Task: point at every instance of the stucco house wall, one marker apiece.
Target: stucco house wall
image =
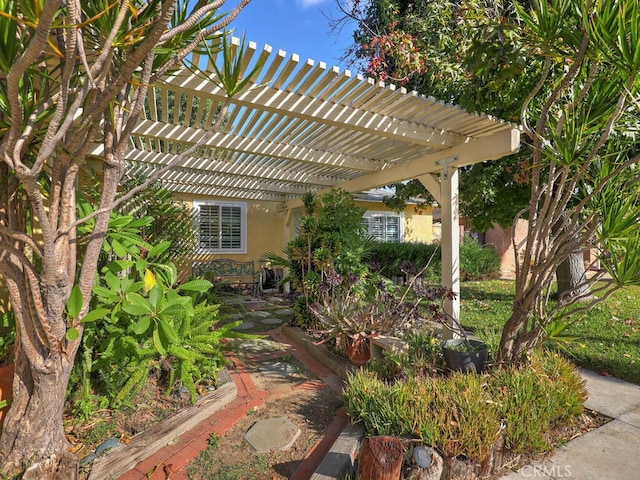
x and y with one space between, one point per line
266 230
417 223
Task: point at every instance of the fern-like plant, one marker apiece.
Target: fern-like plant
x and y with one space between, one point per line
199 353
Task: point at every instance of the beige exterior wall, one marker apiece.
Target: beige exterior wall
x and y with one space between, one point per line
267 232
418 224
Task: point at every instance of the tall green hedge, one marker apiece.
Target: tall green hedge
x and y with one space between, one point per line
476 261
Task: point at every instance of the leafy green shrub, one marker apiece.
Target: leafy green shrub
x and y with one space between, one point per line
198 355
331 239
141 319
422 357
172 218
464 414
388 258
478 262
149 320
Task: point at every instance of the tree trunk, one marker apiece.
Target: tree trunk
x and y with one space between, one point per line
571 276
518 335
26 431
381 459
33 429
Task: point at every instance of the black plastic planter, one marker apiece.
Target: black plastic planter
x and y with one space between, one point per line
457 357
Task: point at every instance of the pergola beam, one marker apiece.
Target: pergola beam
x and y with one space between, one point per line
490 147
207 167
432 184
450 245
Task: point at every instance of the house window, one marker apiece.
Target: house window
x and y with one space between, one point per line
221 227
384 226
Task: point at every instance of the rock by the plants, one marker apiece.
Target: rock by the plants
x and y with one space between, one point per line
272 434
107 445
426 464
459 470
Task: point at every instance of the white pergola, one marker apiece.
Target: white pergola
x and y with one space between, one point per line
301 126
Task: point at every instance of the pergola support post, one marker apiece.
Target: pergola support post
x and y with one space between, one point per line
450 245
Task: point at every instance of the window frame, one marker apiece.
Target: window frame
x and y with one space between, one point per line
387 214
197 204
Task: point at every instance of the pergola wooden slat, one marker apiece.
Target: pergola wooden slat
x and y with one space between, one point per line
301 127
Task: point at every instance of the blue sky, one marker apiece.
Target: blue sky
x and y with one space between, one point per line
295 26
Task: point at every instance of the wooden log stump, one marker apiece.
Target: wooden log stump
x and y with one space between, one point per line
380 459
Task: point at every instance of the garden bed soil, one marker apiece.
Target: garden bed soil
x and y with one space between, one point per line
295 394
231 457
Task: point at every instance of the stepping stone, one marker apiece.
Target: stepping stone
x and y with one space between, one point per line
272 321
278 369
246 325
284 311
272 434
260 314
254 303
261 345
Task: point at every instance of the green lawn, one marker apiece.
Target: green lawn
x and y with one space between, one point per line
608 335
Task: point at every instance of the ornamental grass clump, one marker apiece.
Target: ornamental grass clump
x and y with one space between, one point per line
465 415
534 399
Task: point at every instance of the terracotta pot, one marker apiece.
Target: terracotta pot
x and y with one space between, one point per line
6 384
358 353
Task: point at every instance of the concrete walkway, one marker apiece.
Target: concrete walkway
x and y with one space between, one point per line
610 452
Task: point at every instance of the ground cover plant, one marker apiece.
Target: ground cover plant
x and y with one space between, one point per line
467 415
207 465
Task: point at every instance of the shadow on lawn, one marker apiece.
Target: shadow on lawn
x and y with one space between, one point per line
479 292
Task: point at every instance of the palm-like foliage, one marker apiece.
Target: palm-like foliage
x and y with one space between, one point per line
581 119
75 76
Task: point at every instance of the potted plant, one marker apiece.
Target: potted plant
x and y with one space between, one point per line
345 314
465 355
353 309
462 353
